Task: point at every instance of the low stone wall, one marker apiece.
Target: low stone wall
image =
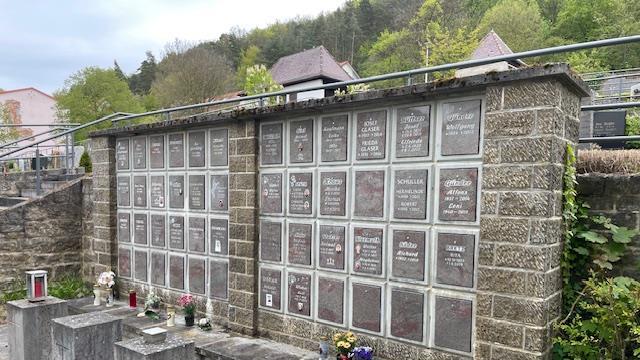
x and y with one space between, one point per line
11 184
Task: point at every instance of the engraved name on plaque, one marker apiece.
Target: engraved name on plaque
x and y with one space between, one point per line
301 141
408 258
369 192
371 135
270 241
271 193
140 191
333 193
270 288
219 192
122 154
157 191
139 153
124 191
300 193
176 191
461 128
176 150
367 314
407 314
140 229
412 131
219 145
300 236
453 323
334 138
299 301
410 194
331 300
367 250
271 144
158 230
197 237
156 151
176 232
332 246
196 192
455 259
458 193
219 235
197 149
124 228
176 272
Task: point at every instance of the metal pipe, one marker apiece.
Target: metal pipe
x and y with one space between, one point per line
623 105
33 125
38 180
610 139
29 137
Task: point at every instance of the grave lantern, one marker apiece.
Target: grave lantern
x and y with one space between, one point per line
36 285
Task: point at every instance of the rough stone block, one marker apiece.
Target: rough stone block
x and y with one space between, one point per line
503 229
174 347
502 280
500 332
85 336
512 123
527 150
506 177
527 204
528 94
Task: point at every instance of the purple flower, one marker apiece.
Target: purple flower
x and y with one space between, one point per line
363 353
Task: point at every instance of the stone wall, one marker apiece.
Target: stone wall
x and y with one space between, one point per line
11 184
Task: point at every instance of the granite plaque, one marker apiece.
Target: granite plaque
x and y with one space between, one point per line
270 241
331 300
299 301
140 265
333 193
367 315
300 193
196 192
219 192
140 229
271 144
610 123
219 234
334 137
453 323
458 193
158 230
197 275
371 135
176 232
219 276
124 191
122 154
124 262
301 141
157 191
369 193
407 314
455 259
332 246
140 191
219 145
176 150
176 191
412 131
158 268
408 259
270 288
410 194
461 128
197 148
176 272
367 250
156 151
300 243
271 194
124 228
139 153
197 236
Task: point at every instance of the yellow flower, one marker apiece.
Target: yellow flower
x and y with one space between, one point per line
349 334
336 337
346 345
351 339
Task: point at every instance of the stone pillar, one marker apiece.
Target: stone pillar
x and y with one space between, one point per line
173 347
85 336
528 125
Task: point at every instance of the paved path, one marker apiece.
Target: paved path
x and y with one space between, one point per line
4 342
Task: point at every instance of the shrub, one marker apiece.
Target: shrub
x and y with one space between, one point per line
608 161
85 161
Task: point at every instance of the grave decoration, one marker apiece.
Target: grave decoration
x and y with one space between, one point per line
188 304
363 353
344 343
36 285
171 316
106 281
204 324
154 335
151 307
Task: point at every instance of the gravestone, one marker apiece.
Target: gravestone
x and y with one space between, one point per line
158 268
407 314
124 191
157 191
331 247
333 193
176 191
300 193
219 277
176 272
300 236
219 145
270 241
369 192
197 148
197 275
140 191
455 259
367 315
174 347
156 151
219 235
122 154
367 250
270 288
334 137
176 232
219 192
461 128
124 228
331 299
458 194
140 153
196 192
371 135
176 150
410 194
158 230
299 293
610 123
124 262
271 193
140 265
271 144
197 236
412 131
409 254
140 229
453 323
301 141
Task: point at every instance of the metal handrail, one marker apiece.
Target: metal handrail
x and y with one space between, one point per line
40 125
29 137
622 105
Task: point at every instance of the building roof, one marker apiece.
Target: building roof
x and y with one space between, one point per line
308 65
492 45
26 89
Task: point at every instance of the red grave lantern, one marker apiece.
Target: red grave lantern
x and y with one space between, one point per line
36 285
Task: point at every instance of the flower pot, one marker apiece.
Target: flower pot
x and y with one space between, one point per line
342 357
189 320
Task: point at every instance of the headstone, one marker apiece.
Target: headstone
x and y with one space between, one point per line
197 236
124 228
219 235
299 302
158 268
197 148
333 193
270 241
410 194
140 153
124 262
176 150
219 192
300 193
219 144
412 131
332 247
219 277
453 323
461 128
367 250
409 253
334 137
157 191
300 236
407 314
122 154
271 193
197 275
367 315
369 192
176 191
176 232
610 123
124 191
270 288
140 191
158 230
331 300
140 229
301 141
196 192
176 272
455 259
271 144
156 151
174 347
371 135
458 194
140 265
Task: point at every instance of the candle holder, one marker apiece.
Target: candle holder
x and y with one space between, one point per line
36 285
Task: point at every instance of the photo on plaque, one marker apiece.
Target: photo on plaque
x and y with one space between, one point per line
371 135
219 145
271 193
176 191
270 241
124 262
334 137
197 275
219 235
455 259
158 230
461 128
176 272
407 314
140 191
367 315
458 194
412 131
176 232
410 194
124 227
140 153
299 294
369 193
453 323
218 278
197 234
140 229
301 141
157 191
122 154
300 243
124 191
197 148
158 268
140 265
156 151
219 192
300 193
197 192
409 254
331 246
271 144
333 193
176 150
331 300
367 250
270 288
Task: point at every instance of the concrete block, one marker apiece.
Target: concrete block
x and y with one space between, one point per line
85 336
174 347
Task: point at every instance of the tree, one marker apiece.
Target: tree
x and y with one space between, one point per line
7 134
85 162
518 22
119 72
393 51
259 81
140 82
250 56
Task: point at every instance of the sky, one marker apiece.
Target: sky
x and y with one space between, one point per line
42 42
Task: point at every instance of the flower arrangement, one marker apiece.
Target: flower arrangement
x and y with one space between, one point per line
344 343
204 324
188 304
107 279
363 353
152 301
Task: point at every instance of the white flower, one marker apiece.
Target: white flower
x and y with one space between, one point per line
203 322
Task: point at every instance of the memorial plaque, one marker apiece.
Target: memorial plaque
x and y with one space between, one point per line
270 241
139 153
270 288
367 314
196 192
156 151
122 154
271 144
124 228
332 246
140 191
219 192
331 300
197 148
158 268
367 250
407 314
301 141
299 301
271 193
410 194
157 191
124 191
610 123
453 323
176 191
408 259
158 230
458 193
197 236
334 137
140 263
176 150
455 259
371 135
369 193
176 272
300 193
461 128
300 243
197 275
140 229
176 232
219 276
412 131
219 140
219 234
124 262
333 193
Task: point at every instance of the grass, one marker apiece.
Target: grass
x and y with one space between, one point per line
608 161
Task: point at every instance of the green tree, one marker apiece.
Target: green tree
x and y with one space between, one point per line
85 162
250 56
518 22
393 51
7 133
119 72
259 81
140 82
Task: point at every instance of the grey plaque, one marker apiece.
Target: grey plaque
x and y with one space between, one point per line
140 229
197 275
176 150
140 263
610 123
219 278
197 148
458 193
407 314
124 262
140 191
219 140
124 191
197 235
301 141
157 191
122 154
270 288
124 228
158 268
219 234
461 128
156 151
332 246
334 138
408 254
331 300
455 259
299 301
367 250
270 241
176 232
300 193
369 192
333 193
158 230
271 144
176 272
140 153
271 193
300 243
453 323
367 315
176 191
196 192
219 192
371 135
410 194
412 131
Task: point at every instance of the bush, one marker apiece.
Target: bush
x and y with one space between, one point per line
85 161
608 161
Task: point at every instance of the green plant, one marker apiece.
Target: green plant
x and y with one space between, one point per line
16 290
85 161
633 128
69 287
